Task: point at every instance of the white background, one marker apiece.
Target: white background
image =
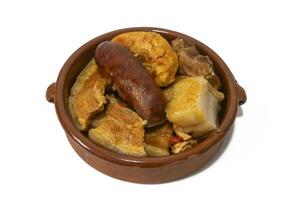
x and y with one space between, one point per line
260 42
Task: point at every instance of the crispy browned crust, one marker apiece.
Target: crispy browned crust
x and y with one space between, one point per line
157 55
87 95
157 142
120 130
193 106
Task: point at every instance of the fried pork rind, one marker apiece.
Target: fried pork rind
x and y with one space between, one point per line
182 146
157 55
193 105
157 142
191 63
87 96
120 130
180 133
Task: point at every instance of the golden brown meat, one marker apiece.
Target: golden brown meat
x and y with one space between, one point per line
87 95
121 130
193 105
157 55
157 142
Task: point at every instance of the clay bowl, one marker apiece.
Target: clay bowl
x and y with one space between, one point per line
143 169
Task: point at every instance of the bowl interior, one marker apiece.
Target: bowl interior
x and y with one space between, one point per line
84 54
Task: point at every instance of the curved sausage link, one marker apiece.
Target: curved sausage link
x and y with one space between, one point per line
134 84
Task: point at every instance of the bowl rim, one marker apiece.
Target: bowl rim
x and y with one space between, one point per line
114 157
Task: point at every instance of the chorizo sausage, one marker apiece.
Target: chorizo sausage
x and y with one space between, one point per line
134 84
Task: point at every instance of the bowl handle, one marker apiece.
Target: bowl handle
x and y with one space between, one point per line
50 93
242 97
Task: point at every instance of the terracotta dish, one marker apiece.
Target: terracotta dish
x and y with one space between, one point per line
143 169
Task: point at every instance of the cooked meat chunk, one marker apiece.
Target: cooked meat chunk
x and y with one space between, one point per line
193 105
191 63
157 55
178 44
157 142
87 95
120 130
194 65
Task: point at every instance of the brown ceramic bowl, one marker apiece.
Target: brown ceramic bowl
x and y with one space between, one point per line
143 169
